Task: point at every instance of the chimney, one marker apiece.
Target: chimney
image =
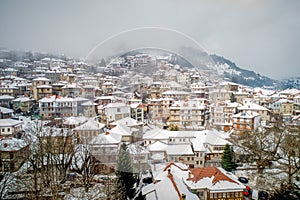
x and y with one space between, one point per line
189 176
169 172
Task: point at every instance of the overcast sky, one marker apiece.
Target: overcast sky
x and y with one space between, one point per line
259 35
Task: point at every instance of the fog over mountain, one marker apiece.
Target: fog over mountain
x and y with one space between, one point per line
262 35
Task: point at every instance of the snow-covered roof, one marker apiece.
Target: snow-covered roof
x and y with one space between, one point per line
252 106
290 91
48 99
246 115
75 120
135 149
41 79
91 124
89 103
179 149
169 187
12 144
213 178
44 86
9 122
159 134
128 121
103 139
6 110
157 146
283 100
6 97
115 105
175 92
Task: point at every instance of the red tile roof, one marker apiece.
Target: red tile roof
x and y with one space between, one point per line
200 173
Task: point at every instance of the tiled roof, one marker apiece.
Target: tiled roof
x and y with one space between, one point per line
200 173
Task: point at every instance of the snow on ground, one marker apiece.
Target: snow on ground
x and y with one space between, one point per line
96 192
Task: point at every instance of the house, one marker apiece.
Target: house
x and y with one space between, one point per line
195 148
221 114
168 185
13 153
114 111
107 88
6 101
283 106
155 90
219 94
73 121
41 87
88 130
187 114
104 100
155 109
246 121
57 106
139 157
6 113
105 149
207 183
88 91
137 111
214 183
9 90
89 109
10 127
71 90
23 104
53 75
126 133
56 141
253 107
175 94
47 107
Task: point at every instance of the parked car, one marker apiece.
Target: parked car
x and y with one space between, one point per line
243 180
262 195
247 191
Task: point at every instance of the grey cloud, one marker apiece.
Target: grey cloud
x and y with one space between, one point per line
259 35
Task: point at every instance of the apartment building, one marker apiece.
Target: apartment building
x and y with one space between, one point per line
41 87
221 114
187 114
246 121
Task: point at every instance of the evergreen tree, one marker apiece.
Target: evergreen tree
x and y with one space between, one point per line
125 177
227 159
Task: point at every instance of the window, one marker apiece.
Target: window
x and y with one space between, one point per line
8 129
12 166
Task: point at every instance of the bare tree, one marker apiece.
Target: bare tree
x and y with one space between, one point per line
290 154
261 145
84 165
6 179
51 155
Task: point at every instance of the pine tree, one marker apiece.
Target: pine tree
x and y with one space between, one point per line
227 159
125 176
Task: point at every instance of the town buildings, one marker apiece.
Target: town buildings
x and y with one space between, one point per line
170 115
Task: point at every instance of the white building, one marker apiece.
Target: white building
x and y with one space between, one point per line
10 127
114 111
